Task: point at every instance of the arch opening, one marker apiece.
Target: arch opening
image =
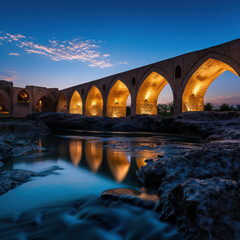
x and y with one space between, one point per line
3 105
117 100
44 104
75 104
62 104
23 97
194 92
148 94
94 103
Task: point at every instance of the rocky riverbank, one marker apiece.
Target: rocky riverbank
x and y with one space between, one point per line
198 189
212 125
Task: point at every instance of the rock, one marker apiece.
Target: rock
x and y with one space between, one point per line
214 125
199 190
137 198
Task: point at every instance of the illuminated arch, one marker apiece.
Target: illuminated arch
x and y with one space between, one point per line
23 96
93 152
94 103
117 99
62 104
148 93
200 80
76 103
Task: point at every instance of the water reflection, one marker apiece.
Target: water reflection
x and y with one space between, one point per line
75 150
140 158
113 157
119 164
94 154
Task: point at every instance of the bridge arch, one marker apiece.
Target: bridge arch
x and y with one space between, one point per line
117 97
200 77
5 105
76 104
149 88
94 102
23 96
44 102
62 103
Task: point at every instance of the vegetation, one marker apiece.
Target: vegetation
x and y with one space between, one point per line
222 108
128 111
208 107
165 109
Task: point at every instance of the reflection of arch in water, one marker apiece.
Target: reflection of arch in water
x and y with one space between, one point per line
117 100
197 84
118 163
93 153
94 103
62 104
140 158
149 90
75 103
75 150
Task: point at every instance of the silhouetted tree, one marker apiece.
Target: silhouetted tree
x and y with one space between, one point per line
238 107
128 110
226 107
208 107
165 109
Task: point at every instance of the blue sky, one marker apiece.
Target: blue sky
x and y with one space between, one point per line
65 43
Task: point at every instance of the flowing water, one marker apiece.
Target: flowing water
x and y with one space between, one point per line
83 165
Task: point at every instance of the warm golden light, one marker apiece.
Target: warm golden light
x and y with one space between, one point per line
94 103
118 164
62 104
93 152
75 104
75 150
23 96
140 161
148 94
117 99
193 95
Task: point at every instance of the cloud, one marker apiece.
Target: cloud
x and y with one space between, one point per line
8 75
76 49
14 54
218 100
123 63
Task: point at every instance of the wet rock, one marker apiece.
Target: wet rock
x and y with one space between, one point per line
10 146
199 190
10 179
137 198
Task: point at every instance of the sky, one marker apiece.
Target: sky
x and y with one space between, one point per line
62 43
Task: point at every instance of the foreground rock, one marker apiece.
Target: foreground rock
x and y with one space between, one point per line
10 179
139 198
200 191
205 124
11 146
23 127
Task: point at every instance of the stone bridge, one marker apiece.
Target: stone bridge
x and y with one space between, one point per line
188 75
